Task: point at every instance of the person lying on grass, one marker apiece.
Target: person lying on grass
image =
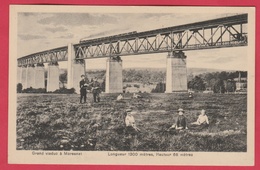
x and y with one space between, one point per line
181 122
130 123
202 119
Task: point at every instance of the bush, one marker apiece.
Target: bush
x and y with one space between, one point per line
136 85
65 91
32 90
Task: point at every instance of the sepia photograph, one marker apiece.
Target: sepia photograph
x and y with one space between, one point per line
169 84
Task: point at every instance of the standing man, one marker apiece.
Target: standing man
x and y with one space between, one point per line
96 90
83 89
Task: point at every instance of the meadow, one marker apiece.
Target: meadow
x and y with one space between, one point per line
59 122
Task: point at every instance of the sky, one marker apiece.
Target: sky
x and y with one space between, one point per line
43 31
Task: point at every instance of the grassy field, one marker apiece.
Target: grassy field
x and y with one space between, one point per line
59 122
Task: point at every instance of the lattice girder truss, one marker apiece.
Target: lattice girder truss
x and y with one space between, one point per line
50 56
219 37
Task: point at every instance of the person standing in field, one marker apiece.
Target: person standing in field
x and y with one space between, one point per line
181 121
96 90
83 89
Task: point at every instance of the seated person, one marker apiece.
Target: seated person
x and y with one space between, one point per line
120 97
180 122
130 123
202 119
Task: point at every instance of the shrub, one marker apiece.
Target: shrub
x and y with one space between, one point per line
32 90
136 85
65 91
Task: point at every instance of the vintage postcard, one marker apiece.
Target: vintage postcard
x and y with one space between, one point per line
131 85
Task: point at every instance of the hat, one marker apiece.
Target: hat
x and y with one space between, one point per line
128 110
180 110
82 75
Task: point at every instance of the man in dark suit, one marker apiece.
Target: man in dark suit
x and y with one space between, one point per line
96 90
83 89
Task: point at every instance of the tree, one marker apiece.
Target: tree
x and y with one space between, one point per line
223 75
63 78
19 88
197 84
160 88
230 86
219 87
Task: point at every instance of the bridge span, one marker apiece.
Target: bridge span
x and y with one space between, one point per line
223 32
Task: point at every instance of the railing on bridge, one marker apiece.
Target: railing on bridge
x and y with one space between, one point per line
216 33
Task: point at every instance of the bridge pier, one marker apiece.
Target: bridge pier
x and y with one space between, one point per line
53 77
176 73
39 76
76 68
114 78
23 76
30 76
19 74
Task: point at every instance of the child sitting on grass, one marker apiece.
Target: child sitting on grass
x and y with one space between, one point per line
181 122
130 123
202 120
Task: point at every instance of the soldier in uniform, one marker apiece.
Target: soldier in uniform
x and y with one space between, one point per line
83 89
96 90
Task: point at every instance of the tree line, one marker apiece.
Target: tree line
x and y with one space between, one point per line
218 82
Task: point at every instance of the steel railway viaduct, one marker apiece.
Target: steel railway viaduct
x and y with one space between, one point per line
217 33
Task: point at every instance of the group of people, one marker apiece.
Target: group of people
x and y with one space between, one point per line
121 97
180 122
94 86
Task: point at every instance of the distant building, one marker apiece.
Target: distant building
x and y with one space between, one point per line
241 83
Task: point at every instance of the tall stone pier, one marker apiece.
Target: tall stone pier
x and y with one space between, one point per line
30 76
53 77
23 76
176 73
76 68
39 76
114 78
19 74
